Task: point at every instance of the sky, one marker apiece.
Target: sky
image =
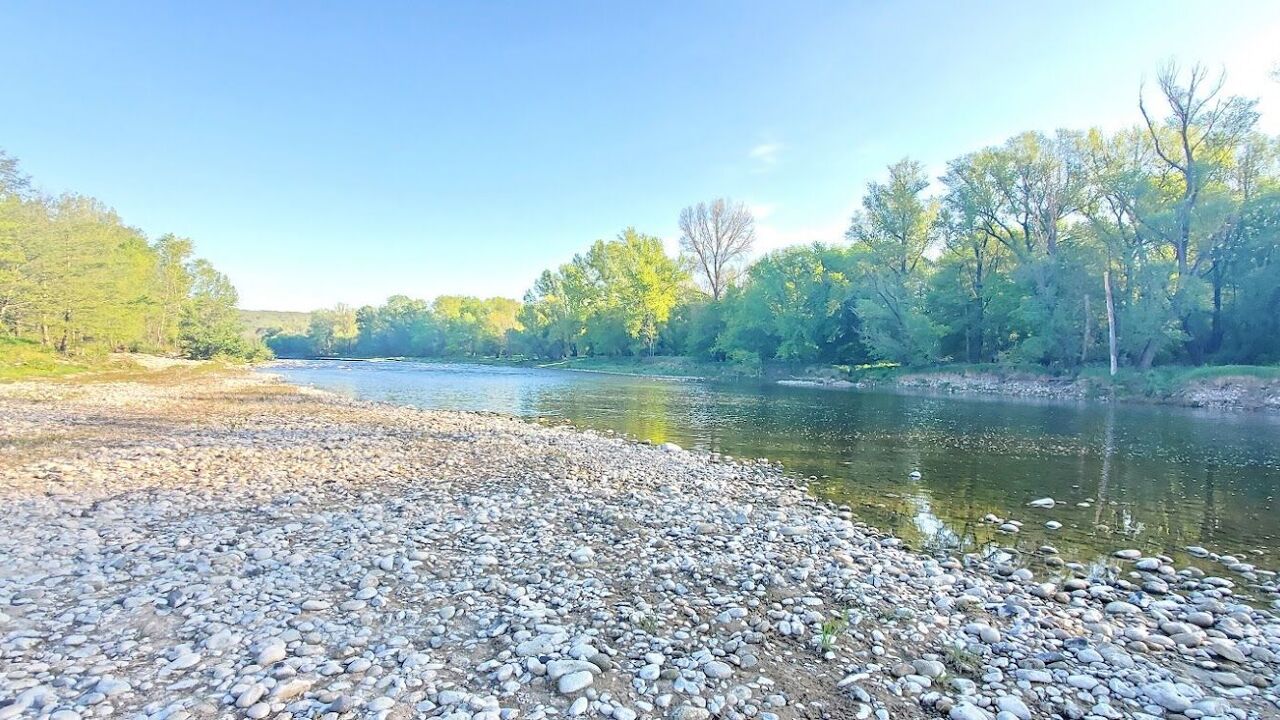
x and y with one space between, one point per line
324 152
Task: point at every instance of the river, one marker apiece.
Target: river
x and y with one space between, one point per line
1153 478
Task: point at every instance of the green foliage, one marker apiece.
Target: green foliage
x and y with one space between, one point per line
745 363
75 279
210 325
831 630
616 299
796 305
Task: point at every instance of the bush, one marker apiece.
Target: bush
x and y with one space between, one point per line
745 363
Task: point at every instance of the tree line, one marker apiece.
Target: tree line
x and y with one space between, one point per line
76 279
1164 236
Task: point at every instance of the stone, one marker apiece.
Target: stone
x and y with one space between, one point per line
717 670
111 687
574 681
1166 695
251 695
270 654
690 712
968 711
1013 705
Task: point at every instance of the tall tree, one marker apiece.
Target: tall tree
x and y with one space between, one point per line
896 227
717 236
172 285
1195 142
210 324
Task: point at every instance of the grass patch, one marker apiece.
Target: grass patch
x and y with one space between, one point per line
1166 382
26 360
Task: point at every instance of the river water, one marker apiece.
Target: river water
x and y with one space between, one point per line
1153 478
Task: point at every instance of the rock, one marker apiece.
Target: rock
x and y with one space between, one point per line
111 687
717 670
929 668
582 555
1203 619
1013 705
1045 503
1129 554
574 681
291 689
270 654
1226 649
1166 695
968 711
251 695
690 712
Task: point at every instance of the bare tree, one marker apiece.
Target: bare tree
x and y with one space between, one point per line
1201 124
717 235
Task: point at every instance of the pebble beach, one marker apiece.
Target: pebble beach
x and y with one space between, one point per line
225 545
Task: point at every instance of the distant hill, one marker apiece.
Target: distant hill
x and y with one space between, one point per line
258 321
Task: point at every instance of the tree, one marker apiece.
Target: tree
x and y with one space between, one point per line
797 305
75 278
717 236
896 227
210 325
1194 142
172 285
333 331
615 299
1022 195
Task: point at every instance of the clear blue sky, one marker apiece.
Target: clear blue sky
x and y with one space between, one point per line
320 152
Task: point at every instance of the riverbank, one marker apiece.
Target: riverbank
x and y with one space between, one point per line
227 545
1233 387
1228 387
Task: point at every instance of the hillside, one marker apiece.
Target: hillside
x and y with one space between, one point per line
258 321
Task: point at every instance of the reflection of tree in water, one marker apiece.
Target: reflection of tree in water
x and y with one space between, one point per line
1108 449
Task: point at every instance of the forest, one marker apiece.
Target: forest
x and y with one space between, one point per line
76 280
1161 239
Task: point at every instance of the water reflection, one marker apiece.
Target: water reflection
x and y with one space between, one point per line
1154 478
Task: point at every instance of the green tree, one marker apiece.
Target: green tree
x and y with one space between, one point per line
210 325
897 227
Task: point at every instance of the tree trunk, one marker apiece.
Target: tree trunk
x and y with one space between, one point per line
1111 320
1215 332
1084 344
1148 356
979 282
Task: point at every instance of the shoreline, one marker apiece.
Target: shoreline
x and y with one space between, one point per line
227 544
1225 392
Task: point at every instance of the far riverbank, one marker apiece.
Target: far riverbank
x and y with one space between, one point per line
1226 387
